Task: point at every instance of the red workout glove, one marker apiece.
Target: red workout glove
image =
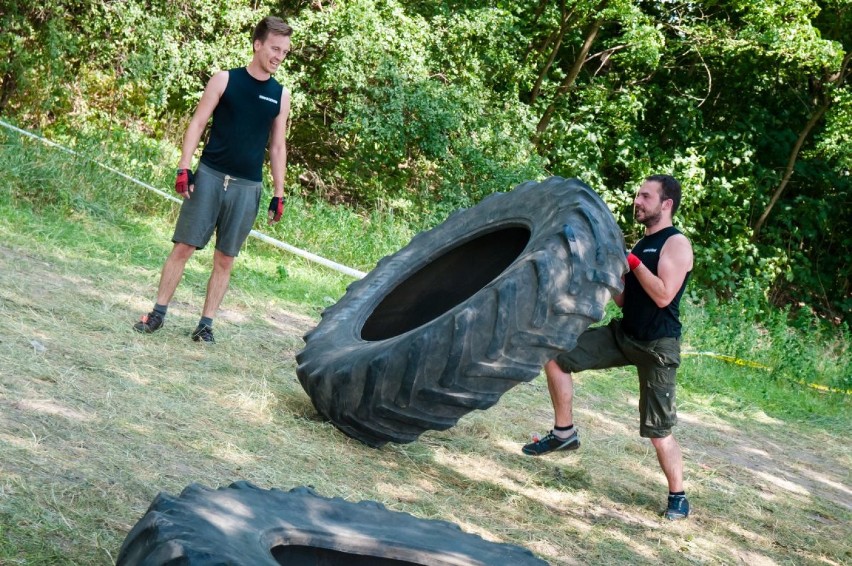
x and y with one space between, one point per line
184 180
276 209
632 261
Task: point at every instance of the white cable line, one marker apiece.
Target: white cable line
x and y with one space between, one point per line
259 235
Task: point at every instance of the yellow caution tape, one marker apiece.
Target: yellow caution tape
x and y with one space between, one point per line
824 387
747 363
731 359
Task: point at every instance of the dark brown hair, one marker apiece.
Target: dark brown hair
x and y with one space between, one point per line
670 189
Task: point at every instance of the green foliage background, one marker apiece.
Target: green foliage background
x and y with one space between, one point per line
412 109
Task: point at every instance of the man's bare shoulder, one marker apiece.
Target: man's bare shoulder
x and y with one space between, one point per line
680 239
679 248
218 82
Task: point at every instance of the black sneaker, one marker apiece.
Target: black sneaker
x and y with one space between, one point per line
551 443
678 508
203 333
149 323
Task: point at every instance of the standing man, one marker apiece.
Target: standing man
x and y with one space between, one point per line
249 109
647 336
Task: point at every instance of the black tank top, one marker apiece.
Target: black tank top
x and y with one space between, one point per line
241 124
643 319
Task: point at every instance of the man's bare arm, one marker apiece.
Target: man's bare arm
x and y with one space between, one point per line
278 146
209 100
675 262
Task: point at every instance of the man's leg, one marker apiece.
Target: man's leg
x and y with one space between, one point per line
173 272
596 348
169 278
657 364
671 461
560 384
218 283
563 436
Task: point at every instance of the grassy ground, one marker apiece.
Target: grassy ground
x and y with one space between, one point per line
95 420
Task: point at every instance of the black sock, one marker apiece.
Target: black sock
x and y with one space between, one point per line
562 431
161 309
678 494
206 321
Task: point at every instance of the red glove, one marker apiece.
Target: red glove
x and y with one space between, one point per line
632 261
276 209
184 180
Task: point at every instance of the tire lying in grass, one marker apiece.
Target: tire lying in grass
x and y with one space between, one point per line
243 524
464 312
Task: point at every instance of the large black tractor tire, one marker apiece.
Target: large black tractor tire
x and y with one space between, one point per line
245 525
464 312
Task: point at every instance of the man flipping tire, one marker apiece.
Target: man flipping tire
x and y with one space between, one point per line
647 336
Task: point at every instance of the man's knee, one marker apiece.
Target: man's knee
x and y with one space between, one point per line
222 261
662 438
563 363
556 375
182 252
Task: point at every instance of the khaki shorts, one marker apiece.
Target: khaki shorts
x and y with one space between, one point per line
657 362
222 203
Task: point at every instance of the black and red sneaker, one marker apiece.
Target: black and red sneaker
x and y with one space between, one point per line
149 323
551 443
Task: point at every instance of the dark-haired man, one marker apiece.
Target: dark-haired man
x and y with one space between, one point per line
250 109
647 336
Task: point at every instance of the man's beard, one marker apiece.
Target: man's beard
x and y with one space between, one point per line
650 219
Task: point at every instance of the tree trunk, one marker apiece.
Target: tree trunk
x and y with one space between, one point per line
6 90
560 35
820 111
8 85
591 34
531 47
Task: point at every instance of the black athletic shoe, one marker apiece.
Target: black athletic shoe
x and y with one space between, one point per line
678 508
149 323
551 443
203 333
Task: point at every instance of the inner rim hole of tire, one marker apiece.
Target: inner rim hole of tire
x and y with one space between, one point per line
297 555
446 282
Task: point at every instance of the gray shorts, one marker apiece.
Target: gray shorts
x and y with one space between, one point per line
657 362
222 203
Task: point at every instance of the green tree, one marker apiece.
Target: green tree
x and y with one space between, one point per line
404 123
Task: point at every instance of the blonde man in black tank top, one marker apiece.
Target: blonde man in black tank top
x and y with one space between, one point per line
249 109
648 336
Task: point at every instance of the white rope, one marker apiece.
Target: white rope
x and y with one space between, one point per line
259 235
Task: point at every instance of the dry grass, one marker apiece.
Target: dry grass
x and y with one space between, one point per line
95 420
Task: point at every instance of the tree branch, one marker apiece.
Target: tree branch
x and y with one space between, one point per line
570 78
563 29
835 80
